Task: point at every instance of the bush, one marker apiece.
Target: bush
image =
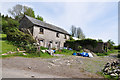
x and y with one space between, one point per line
119 55
28 39
100 40
83 42
119 47
80 47
17 36
111 44
43 48
8 24
22 40
71 38
31 48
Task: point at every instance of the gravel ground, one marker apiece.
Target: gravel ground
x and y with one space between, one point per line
62 67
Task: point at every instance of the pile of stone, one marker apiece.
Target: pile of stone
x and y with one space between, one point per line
112 69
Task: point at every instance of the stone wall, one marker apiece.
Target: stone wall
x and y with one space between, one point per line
27 26
98 48
25 23
48 36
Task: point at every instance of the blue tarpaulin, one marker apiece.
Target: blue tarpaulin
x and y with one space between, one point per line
84 54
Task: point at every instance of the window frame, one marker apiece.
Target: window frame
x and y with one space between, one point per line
57 35
41 31
65 36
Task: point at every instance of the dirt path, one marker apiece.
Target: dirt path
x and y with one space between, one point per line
16 73
62 67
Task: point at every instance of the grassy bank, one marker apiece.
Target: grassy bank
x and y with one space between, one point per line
32 55
5 45
107 53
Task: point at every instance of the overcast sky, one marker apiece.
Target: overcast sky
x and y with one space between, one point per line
98 20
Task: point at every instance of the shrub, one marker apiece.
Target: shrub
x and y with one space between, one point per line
100 40
43 48
17 36
8 24
119 55
80 47
28 39
71 38
83 42
30 48
21 40
111 43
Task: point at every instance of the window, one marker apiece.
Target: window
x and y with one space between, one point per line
41 30
57 34
65 36
56 42
50 41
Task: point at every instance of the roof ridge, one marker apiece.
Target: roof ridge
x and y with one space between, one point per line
47 25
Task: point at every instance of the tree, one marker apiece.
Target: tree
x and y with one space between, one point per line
119 47
39 18
8 23
18 11
111 44
100 40
29 11
71 38
79 33
73 31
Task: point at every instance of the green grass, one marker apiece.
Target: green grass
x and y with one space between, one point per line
107 76
5 45
110 77
32 55
3 35
107 53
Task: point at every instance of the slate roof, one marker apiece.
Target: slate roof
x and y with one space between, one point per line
46 25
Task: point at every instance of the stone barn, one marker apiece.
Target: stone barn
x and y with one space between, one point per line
45 34
100 47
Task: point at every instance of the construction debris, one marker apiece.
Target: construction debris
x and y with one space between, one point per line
10 52
24 54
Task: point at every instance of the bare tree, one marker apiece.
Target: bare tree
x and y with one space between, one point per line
16 11
79 33
73 31
19 10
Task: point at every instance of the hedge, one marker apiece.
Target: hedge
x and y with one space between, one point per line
83 42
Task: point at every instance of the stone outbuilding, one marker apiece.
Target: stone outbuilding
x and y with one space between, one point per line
100 47
46 34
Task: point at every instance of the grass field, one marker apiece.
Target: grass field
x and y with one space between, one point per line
5 45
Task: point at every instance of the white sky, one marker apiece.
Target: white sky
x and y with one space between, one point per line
98 20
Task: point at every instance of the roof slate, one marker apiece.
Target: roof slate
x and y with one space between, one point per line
46 25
